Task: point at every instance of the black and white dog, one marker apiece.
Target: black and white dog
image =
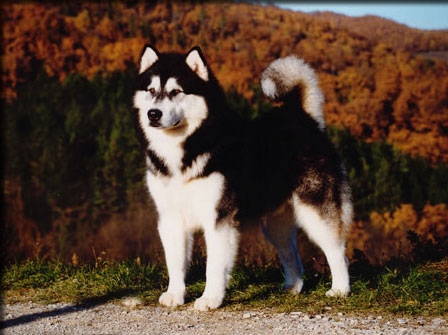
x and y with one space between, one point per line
209 169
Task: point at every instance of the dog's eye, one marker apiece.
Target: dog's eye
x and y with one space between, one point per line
151 90
175 92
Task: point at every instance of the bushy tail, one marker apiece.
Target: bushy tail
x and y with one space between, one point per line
285 74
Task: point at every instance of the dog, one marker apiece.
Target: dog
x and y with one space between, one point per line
210 169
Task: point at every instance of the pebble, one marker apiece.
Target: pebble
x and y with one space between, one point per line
132 302
247 315
438 321
402 321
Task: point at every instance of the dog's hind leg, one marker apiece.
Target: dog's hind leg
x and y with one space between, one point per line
177 243
329 236
222 247
280 230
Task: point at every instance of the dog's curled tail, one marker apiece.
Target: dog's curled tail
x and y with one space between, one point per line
283 75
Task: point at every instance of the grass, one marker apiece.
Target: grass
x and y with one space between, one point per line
396 290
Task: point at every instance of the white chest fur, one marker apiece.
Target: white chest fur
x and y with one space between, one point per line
190 203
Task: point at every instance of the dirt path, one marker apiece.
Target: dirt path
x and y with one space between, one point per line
114 319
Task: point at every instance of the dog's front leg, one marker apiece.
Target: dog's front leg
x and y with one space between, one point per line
177 242
222 247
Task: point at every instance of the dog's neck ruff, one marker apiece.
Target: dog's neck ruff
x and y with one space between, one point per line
171 163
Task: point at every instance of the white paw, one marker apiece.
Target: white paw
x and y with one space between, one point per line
207 303
171 300
295 288
338 292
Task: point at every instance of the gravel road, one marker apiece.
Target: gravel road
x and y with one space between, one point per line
130 317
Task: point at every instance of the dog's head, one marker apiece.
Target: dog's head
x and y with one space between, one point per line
170 89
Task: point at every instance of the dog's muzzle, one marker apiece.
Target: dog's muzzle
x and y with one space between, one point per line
154 117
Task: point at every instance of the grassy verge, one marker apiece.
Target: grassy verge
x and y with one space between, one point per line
404 290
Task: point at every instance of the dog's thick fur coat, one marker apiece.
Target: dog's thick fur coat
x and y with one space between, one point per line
211 170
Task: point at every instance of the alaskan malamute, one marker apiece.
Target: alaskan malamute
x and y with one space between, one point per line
210 169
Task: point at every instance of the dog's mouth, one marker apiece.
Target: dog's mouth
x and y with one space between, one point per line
175 126
178 125
155 124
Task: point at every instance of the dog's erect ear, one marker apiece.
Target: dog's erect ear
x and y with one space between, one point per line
150 56
195 60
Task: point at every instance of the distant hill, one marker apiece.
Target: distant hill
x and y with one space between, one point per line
382 80
395 35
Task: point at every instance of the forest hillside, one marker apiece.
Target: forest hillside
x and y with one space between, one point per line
374 78
73 172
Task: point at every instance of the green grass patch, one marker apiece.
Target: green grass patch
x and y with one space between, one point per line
50 282
401 290
422 290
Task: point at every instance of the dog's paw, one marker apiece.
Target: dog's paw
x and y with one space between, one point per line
207 303
338 292
295 288
171 300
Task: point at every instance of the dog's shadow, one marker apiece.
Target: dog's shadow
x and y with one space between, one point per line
72 308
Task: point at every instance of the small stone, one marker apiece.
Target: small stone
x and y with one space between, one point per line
246 316
132 302
437 321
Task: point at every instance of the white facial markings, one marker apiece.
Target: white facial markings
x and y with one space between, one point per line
154 87
182 114
169 101
173 89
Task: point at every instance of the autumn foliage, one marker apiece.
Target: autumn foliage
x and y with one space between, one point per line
65 74
377 90
387 235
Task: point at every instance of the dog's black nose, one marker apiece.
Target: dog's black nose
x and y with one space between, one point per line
154 115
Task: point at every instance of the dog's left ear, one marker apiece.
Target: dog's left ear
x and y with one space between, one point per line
196 61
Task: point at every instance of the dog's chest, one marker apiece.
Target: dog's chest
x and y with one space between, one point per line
191 201
170 152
